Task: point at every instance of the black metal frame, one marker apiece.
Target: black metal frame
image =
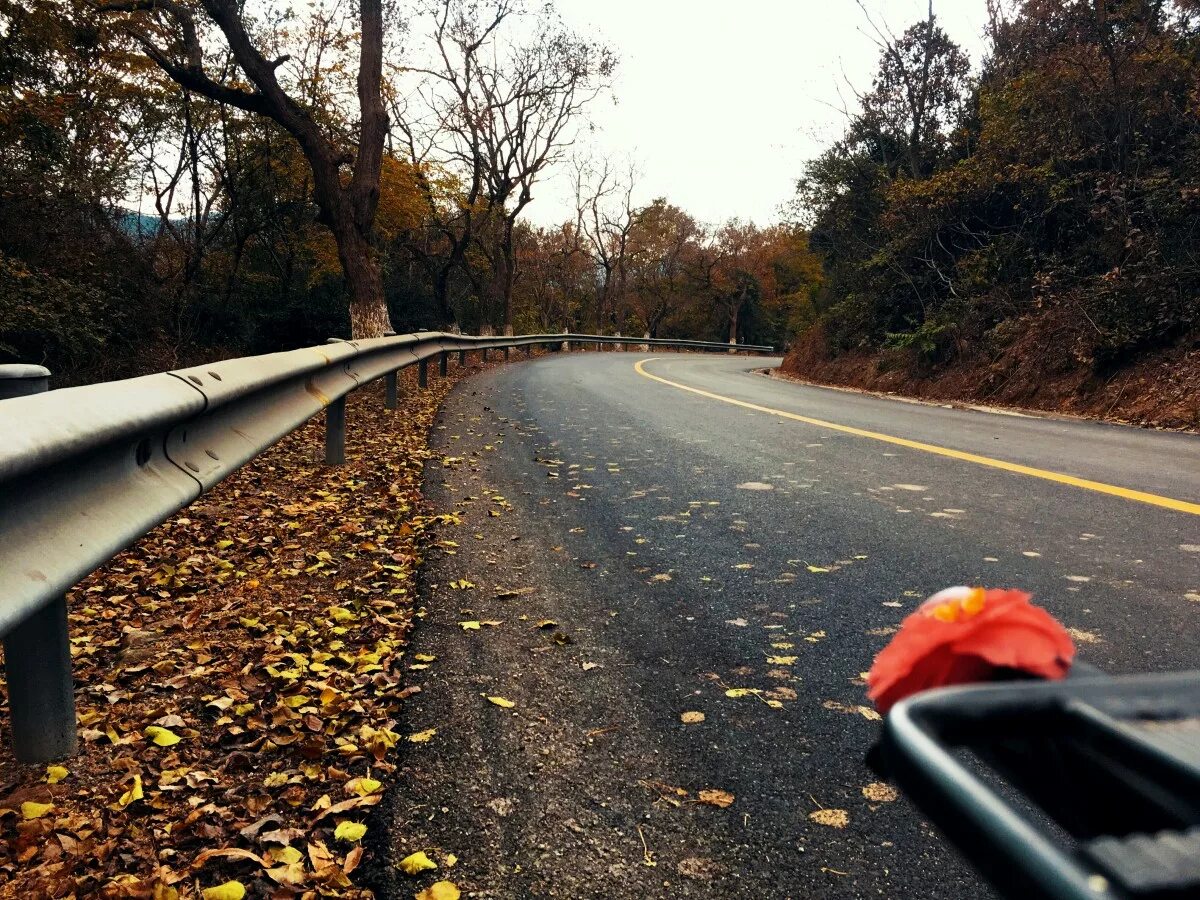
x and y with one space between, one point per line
1115 781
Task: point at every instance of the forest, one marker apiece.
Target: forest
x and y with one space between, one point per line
182 181
1025 226
189 179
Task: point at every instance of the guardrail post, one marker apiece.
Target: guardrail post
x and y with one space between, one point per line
528 350
41 695
618 346
391 398
462 358
423 373
483 354
566 345
335 432
506 354
443 364
37 651
646 347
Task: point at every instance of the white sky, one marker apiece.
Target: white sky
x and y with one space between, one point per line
720 102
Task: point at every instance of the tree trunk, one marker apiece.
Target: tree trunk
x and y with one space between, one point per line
368 308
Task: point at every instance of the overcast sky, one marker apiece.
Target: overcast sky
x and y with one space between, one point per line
720 102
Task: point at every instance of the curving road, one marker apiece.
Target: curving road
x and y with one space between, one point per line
690 527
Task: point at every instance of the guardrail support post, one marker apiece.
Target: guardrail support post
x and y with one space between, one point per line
391 398
37 651
41 695
506 354
528 350
462 358
423 373
335 432
483 354
443 364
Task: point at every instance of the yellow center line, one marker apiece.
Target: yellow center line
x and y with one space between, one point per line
1097 486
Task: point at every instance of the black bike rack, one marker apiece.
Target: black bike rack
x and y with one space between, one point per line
1083 789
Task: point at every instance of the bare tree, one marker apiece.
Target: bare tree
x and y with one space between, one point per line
499 114
605 216
169 32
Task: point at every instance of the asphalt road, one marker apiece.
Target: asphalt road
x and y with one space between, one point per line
680 543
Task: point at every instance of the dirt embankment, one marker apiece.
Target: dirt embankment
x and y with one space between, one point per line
1035 372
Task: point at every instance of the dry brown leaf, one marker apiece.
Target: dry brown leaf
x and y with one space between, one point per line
714 797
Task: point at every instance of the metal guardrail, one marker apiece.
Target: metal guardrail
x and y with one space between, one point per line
87 471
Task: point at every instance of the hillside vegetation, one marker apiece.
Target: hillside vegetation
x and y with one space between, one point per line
1029 234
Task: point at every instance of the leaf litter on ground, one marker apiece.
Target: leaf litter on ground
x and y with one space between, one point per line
240 681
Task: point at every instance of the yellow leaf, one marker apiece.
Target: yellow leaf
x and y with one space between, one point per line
425 657
716 798
31 810
350 831
288 855
741 692
163 737
691 717
439 890
224 545
878 792
416 863
817 568
500 701
781 660
134 793
55 774
363 786
422 737
451 859
469 626
230 890
275 779
834 818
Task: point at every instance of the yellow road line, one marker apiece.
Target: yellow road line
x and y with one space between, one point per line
1097 486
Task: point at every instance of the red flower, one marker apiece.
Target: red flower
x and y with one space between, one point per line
965 634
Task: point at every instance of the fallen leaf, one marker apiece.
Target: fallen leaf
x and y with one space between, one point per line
878 792
230 890
469 626
833 818
439 890
500 701
363 786
782 660
32 810
348 831
416 863
226 853
715 797
422 737
162 737
691 717
55 774
134 793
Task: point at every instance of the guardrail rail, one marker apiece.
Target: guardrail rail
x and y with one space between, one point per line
87 471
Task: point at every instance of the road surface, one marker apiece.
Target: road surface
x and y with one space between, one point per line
650 534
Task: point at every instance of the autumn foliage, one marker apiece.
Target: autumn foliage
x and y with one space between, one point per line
1037 218
242 674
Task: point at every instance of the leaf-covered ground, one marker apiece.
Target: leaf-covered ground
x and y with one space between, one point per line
241 678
